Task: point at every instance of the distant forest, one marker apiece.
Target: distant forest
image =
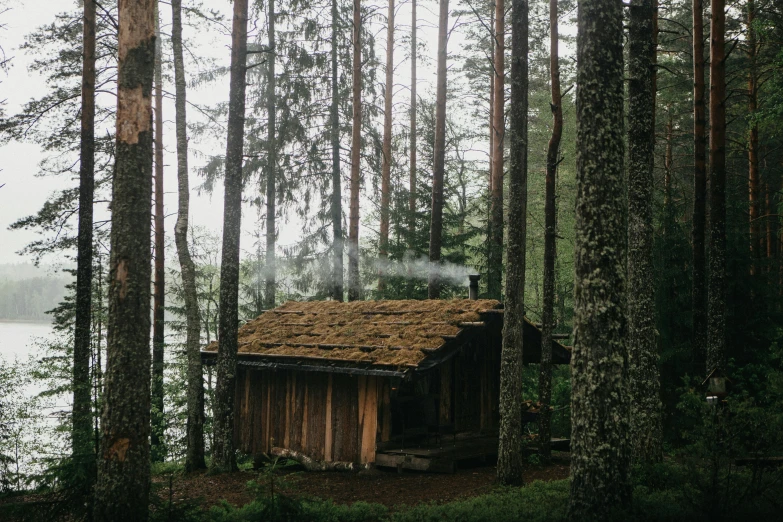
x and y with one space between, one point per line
25 296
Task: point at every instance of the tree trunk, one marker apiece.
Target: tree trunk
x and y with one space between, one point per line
716 292
383 250
82 435
122 491
646 429
600 445
414 103
698 233
550 251
223 454
271 270
194 452
337 201
354 281
439 154
158 307
510 456
495 250
753 145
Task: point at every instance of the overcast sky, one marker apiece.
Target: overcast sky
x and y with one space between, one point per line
25 192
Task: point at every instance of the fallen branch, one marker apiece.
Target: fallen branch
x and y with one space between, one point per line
311 464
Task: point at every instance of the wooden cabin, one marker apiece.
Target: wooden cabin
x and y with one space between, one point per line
373 382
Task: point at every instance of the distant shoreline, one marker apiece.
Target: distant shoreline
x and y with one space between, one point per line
27 321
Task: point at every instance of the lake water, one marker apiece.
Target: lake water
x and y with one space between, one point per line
19 343
18 339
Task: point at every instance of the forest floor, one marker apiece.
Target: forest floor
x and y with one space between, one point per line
381 486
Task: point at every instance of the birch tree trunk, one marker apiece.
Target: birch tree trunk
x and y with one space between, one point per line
383 250
82 436
271 175
550 230
439 154
600 445
698 230
646 429
716 291
223 452
354 281
194 452
122 490
495 249
337 201
510 456
158 307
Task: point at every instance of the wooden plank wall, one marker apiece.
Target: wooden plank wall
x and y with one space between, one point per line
331 417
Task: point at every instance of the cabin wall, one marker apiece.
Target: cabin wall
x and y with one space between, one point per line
331 417
474 378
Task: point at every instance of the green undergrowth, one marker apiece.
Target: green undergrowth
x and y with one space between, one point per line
664 492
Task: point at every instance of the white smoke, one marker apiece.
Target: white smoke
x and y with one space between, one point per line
411 267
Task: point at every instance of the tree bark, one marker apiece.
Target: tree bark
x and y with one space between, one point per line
383 250
354 281
194 452
82 449
698 230
550 251
754 199
510 456
223 452
439 154
646 429
271 176
158 307
600 445
495 229
122 490
716 292
414 104
337 201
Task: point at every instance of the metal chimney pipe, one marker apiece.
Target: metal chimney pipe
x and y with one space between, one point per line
473 287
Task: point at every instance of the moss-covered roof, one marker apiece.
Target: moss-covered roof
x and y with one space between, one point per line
390 333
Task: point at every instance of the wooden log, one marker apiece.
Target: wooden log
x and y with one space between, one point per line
476 324
368 417
292 312
311 464
328 449
561 336
446 376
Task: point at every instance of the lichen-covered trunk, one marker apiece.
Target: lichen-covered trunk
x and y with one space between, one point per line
194 435
439 154
271 174
337 195
158 306
414 104
698 230
223 451
122 490
600 442
82 430
754 199
716 290
495 228
383 247
510 448
646 429
550 231
354 281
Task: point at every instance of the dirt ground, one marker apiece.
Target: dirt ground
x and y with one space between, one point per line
378 485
